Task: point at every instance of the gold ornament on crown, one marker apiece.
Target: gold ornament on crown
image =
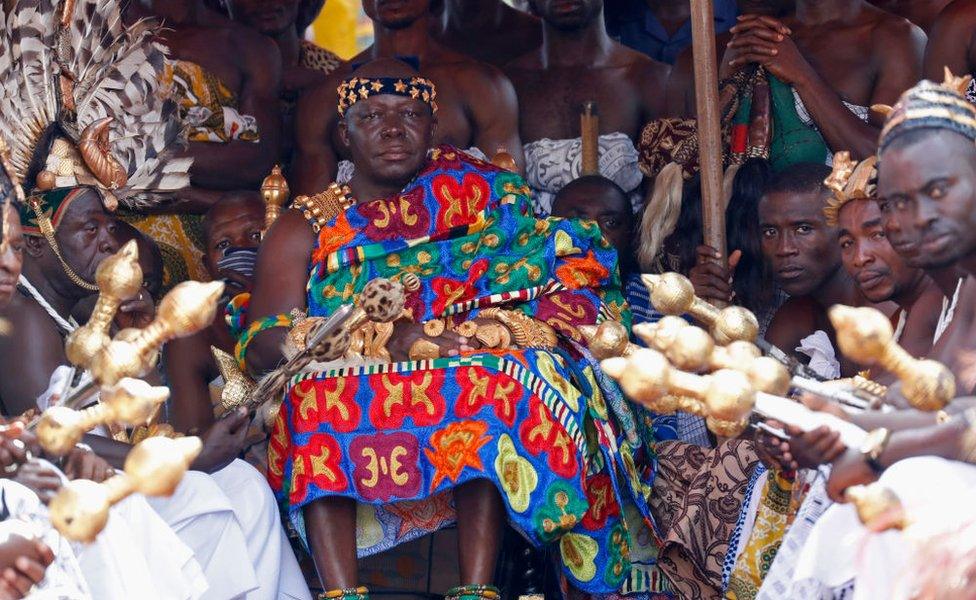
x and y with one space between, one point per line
849 180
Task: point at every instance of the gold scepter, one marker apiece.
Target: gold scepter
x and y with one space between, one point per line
154 467
690 348
725 398
865 335
275 193
119 277
130 402
674 294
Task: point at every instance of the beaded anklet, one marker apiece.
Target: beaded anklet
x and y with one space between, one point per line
473 592
359 593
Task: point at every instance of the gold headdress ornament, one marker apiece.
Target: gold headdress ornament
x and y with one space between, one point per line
82 106
930 105
850 180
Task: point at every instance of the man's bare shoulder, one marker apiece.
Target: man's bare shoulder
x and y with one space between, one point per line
477 80
891 30
958 12
794 320
31 324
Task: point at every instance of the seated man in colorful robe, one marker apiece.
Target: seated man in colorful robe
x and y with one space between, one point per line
473 394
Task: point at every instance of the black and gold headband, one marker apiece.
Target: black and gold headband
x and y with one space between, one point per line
354 89
931 105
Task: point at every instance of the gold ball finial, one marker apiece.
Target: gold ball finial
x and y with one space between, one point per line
119 277
645 383
735 323
275 193
865 335
691 349
606 340
877 507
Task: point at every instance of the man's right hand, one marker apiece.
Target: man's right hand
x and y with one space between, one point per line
223 441
16 446
405 333
712 281
22 565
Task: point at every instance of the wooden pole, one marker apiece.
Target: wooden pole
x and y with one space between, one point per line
709 124
589 140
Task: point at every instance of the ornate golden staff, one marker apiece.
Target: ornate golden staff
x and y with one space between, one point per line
674 294
154 467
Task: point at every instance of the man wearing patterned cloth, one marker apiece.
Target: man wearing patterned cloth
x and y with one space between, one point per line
481 390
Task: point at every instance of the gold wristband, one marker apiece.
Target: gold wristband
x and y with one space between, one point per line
434 327
493 335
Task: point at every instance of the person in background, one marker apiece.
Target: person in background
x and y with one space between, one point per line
489 31
303 63
923 13
477 106
577 63
661 29
951 44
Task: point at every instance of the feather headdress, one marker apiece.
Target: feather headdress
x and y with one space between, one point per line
81 104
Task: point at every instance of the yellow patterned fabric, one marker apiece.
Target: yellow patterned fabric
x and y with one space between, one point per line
180 239
208 107
773 516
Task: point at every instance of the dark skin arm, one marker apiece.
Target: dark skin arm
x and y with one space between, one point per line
189 368
951 41
240 164
279 285
33 351
898 50
791 323
496 122
315 162
940 440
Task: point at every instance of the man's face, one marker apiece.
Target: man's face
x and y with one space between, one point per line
388 137
396 14
232 226
872 263
568 15
86 234
927 196
12 258
599 204
270 17
797 242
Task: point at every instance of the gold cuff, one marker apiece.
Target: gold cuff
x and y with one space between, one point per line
527 332
467 329
424 349
494 335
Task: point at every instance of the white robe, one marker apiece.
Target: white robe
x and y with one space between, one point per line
939 497
230 521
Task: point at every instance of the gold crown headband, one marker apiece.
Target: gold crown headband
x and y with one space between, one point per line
354 89
850 180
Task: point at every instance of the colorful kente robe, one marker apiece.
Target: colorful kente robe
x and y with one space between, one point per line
399 437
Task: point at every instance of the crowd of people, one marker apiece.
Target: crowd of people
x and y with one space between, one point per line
452 162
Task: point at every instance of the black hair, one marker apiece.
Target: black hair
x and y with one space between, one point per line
599 181
751 282
799 178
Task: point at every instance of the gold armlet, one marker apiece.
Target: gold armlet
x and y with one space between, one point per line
324 206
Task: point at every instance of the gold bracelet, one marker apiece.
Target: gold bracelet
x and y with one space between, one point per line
467 329
968 443
527 332
493 335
